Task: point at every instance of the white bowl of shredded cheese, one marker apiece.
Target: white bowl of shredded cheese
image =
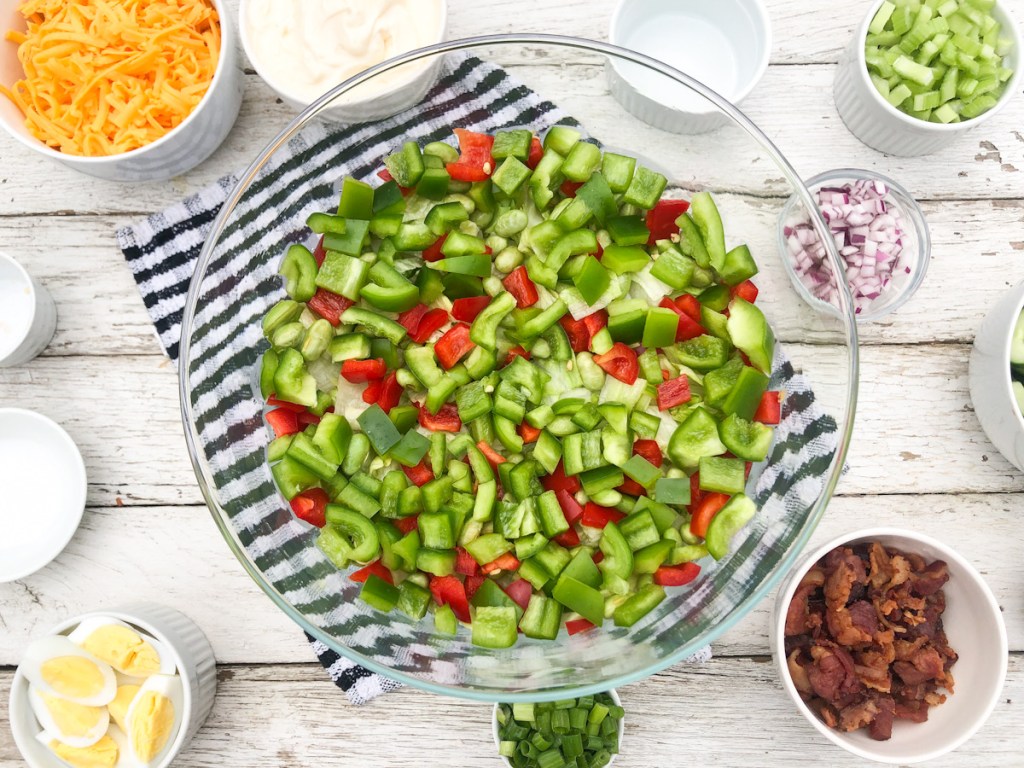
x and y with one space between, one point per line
155 87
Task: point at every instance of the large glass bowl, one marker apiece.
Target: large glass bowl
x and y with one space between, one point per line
236 282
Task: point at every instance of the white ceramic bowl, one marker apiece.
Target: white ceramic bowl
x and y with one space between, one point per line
974 627
409 85
28 316
989 376
880 125
192 655
613 694
724 44
35 453
175 152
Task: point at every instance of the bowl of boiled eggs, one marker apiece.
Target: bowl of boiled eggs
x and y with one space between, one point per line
126 688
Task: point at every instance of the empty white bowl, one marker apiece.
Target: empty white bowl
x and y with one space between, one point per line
36 454
28 316
175 152
723 44
990 383
975 630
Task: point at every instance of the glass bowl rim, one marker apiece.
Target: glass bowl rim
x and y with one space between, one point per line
206 481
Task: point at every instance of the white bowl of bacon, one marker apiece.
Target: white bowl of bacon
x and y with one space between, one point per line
892 638
147 91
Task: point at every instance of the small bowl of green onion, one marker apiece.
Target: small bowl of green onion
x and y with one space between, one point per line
556 733
920 73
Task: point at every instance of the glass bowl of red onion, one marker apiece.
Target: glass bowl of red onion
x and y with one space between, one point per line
880 233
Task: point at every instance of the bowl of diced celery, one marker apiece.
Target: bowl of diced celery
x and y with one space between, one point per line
919 73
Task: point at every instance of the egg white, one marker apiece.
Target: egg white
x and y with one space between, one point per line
125 756
54 646
47 721
91 624
166 685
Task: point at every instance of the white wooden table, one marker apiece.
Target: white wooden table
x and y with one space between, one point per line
919 456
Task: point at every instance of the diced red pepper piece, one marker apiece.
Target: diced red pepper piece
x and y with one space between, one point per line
493 457
619 361
448 590
536 153
673 392
390 392
568 188
704 511
420 475
696 494
320 253
453 346
445 420
507 562
576 330
575 626
372 392
407 524
514 353
520 591
676 575
689 328
690 306
568 539
475 162
361 371
473 583
433 252
519 284
649 450
661 219
283 421
468 308
597 557
528 433
376 568
433 321
305 418
295 407
595 322
559 481
411 318
329 306
311 506
465 563
745 290
571 508
385 175
631 487
769 411
596 516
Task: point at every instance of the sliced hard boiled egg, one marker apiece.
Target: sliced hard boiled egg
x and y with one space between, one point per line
118 708
56 666
125 649
125 758
154 717
103 754
75 725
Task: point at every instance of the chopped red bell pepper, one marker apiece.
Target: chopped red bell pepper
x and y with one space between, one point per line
688 328
568 188
649 450
619 361
528 433
597 557
407 524
390 392
676 575
465 563
492 455
519 284
433 252
567 539
448 590
594 322
516 352
274 401
320 253
559 481
673 392
468 308
475 162
420 475
411 318
576 330
361 371
433 321
329 306
704 511
595 516
696 494
453 346
372 392
631 487
473 583
745 290
376 568
690 306
571 508
520 591
305 418
385 175
311 506
283 421
507 562
536 153
575 626
769 411
445 420
661 219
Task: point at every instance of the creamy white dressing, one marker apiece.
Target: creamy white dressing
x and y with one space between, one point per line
16 307
306 47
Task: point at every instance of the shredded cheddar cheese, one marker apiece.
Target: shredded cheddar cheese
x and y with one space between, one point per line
104 77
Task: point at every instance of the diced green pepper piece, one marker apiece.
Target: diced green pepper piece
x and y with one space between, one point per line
561 138
292 477
514 143
435 561
745 395
593 280
646 599
578 597
413 600
628 327
645 188
321 223
748 440
332 437
352 536
618 170
410 450
621 259
378 324
691 243
444 217
380 430
350 242
709 223
495 627
727 522
672 490
722 475
618 555
642 471
695 438
597 195
387 199
751 334
433 183
542 620
378 594
511 175
356 201
581 161
703 353
406 165
674 269
343 274
660 328
444 620
298 267
292 381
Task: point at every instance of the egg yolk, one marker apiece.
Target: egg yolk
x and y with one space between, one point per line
124 649
119 706
72 719
72 676
102 754
151 725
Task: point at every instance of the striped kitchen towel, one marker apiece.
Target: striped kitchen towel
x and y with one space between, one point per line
162 251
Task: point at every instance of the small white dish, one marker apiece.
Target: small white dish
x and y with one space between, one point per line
36 453
974 627
193 658
989 376
28 316
880 125
723 44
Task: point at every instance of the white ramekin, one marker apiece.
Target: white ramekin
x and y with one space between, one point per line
989 376
177 151
880 125
193 657
27 332
648 95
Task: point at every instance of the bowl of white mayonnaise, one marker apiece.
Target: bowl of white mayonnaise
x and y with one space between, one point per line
304 48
